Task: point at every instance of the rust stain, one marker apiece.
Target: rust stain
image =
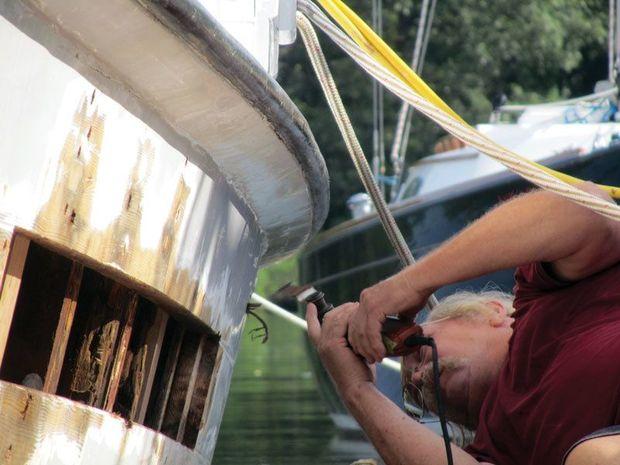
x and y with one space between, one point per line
73 179
8 453
24 411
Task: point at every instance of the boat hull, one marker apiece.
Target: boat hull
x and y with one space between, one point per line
148 168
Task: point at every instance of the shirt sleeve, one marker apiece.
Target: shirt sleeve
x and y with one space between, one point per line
535 278
478 454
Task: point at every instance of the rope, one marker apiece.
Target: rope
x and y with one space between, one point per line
534 173
317 58
384 58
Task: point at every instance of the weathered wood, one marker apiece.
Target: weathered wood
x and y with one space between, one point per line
154 341
121 352
97 330
190 390
40 428
63 330
168 375
11 286
6 234
203 390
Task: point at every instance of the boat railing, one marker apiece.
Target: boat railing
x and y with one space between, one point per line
515 109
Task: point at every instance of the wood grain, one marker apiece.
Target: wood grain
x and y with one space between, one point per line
190 389
6 236
11 286
121 352
63 330
40 428
168 376
154 341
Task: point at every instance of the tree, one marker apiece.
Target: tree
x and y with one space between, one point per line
531 50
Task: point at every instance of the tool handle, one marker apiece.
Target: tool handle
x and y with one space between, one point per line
400 337
322 306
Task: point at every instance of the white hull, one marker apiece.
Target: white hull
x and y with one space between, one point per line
130 151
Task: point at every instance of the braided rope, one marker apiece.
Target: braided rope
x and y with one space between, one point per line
321 68
462 131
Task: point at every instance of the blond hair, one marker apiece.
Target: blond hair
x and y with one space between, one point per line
465 304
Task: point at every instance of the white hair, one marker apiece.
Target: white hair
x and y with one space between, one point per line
465 304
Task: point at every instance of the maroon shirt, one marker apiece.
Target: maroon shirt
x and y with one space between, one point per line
561 379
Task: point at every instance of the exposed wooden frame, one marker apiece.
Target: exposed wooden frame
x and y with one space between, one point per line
168 375
10 287
212 382
121 352
63 329
190 389
153 343
6 236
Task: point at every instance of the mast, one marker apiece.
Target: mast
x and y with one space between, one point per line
403 122
615 47
611 45
378 139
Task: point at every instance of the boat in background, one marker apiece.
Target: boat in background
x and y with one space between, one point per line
150 165
444 192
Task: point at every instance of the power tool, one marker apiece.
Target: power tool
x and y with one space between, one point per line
400 337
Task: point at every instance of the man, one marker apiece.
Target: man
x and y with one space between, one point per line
532 382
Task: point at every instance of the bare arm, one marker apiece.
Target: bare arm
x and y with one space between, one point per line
398 438
534 227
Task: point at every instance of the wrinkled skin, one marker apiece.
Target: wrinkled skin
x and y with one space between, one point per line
471 354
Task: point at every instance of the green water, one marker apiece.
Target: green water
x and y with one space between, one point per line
274 414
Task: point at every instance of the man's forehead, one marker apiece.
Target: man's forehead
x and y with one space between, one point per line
431 327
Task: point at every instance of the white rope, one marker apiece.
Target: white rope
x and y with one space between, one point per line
319 63
465 133
301 323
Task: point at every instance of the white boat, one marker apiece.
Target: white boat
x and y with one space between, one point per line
149 166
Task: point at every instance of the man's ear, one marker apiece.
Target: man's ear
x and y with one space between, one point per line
499 316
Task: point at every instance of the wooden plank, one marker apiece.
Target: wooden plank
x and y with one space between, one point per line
63 329
32 419
190 390
153 343
168 375
11 286
121 352
6 235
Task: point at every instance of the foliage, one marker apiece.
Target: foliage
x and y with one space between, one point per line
530 51
273 277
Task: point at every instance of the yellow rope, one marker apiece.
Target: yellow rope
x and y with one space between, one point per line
372 44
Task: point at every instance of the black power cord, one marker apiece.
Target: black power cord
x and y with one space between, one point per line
429 341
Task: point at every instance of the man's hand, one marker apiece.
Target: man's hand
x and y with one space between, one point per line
348 371
398 438
394 296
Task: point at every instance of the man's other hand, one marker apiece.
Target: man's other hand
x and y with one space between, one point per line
347 370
